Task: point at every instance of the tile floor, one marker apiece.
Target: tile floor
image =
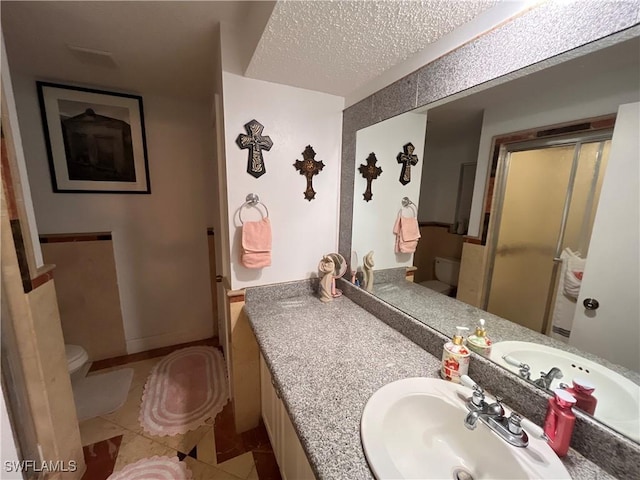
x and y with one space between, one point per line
214 451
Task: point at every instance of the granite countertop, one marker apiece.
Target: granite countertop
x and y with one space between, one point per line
326 360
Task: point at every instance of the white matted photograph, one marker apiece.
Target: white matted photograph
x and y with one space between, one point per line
95 140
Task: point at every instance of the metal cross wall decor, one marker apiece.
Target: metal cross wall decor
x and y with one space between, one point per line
309 167
256 143
370 171
407 159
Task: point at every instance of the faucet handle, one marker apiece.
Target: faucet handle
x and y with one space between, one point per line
518 425
524 369
513 361
467 381
477 399
515 424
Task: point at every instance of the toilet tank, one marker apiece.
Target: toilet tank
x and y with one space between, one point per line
447 270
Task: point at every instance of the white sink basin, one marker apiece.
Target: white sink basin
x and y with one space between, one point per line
413 428
618 398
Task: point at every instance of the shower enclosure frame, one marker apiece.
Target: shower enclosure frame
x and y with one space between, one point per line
502 174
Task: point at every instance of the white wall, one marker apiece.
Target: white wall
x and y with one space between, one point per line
373 221
591 97
447 148
160 239
303 231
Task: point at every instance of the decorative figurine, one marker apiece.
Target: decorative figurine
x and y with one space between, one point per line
367 269
407 159
370 171
255 142
326 267
309 167
354 268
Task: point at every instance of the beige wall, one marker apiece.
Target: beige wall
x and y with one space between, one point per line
159 240
87 293
40 346
472 271
434 242
55 374
244 365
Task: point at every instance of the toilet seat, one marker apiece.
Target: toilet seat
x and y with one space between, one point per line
76 357
438 286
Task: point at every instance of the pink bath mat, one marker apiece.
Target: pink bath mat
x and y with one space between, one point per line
154 468
183 390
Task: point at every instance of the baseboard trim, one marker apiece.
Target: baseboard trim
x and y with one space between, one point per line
157 352
144 344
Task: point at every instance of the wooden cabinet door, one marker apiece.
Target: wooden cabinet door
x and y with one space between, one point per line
288 451
270 407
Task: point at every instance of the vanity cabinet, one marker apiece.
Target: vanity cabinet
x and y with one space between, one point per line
288 451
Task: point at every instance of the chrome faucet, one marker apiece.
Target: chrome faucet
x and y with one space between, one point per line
546 378
478 406
493 410
524 370
510 429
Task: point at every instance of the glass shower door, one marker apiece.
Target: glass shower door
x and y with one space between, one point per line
548 203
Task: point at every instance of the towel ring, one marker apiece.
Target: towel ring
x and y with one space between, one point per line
252 200
406 203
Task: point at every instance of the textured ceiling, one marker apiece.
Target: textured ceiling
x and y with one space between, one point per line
336 46
167 47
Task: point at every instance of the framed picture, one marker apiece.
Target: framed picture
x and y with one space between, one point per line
95 140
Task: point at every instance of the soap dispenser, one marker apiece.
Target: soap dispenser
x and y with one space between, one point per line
455 357
559 422
479 342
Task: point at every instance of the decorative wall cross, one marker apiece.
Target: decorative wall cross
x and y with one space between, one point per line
309 167
407 159
255 142
370 171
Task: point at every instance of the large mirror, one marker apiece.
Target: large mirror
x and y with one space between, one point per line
526 197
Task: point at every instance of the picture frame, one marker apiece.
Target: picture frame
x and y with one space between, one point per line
95 140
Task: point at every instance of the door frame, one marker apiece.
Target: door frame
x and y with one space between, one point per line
502 173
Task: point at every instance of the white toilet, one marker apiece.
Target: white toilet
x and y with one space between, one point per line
97 394
447 270
77 361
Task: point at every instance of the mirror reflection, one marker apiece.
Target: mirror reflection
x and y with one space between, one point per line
527 204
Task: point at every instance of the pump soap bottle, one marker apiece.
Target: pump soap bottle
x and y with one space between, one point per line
479 342
558 425
455 357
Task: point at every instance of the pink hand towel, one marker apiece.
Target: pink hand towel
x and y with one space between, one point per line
256 244
407 233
